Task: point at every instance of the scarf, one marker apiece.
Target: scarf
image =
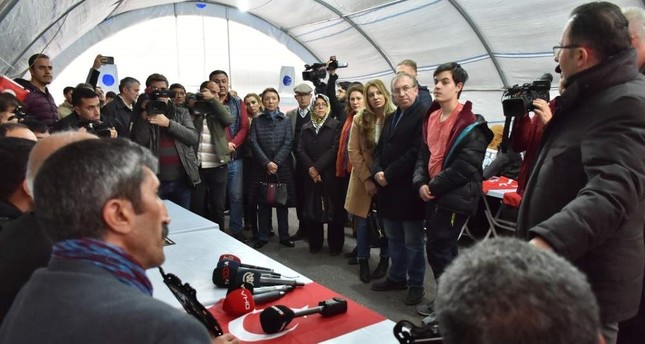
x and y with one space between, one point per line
343 165
318 122
272 114
107 256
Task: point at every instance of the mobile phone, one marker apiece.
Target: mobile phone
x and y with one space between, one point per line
107 59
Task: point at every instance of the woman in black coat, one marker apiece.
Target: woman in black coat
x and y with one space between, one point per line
271 139
317 151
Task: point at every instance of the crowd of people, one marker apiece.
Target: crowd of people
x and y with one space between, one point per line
381 153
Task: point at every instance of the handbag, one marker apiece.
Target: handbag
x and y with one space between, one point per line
377 237
272 194
318 206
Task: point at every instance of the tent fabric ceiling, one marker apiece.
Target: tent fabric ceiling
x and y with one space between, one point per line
500 43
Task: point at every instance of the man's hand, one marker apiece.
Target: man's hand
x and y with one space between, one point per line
542 110
226 338
380 178
160 120
98 61
231 147
424 193
370 187
113 133
313 172
540 243
272 167
208 95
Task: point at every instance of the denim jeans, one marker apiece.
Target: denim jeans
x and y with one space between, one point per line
235 195
406 250
363 238
177 191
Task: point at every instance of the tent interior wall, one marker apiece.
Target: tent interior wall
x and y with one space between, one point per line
500 43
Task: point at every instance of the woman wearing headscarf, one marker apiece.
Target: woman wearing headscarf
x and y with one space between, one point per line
317 150
364 134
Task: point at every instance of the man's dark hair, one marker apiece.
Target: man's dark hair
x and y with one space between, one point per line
204 84
128 81
34 57
155 77
216 72
80 93
459 74
176 86
76 181
35 125
7 127
8 100
506 291
602 27
67 89
14 154
110 94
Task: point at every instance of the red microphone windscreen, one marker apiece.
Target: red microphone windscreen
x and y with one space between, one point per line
238 302
228 256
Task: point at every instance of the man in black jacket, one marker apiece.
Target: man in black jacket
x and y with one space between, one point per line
87 115
584 197
120 109
397 201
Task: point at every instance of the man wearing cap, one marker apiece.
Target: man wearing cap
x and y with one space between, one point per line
298 118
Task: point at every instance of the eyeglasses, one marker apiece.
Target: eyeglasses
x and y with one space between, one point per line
405 89
558 48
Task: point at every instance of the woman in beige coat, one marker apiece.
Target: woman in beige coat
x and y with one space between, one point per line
364 134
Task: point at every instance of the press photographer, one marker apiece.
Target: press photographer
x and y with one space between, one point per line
168 131
87 116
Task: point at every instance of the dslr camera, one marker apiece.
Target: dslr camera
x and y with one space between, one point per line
518 100
98 128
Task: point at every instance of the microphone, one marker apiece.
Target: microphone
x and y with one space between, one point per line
277 317
228 256
225 276
237 265
262 290
241 301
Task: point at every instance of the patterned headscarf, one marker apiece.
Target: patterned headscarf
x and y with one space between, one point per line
315 120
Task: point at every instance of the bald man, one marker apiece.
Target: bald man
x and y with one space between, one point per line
17 130
23 246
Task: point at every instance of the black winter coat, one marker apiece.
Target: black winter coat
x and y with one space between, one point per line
459 184
586 193
271 139
395 154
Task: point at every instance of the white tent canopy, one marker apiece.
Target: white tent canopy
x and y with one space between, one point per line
500 43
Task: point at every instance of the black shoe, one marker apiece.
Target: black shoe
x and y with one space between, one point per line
287 243
259 244
298 236
271 233
314 250
381 268
388 285
352 261
364 271
414 296
352 254
426 309
334 253
239 236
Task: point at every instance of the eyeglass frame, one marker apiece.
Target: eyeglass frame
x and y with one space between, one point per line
405 89
560 47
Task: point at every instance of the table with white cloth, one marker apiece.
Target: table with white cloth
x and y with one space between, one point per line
198 244
497 187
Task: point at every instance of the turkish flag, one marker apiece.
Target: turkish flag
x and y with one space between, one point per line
308 329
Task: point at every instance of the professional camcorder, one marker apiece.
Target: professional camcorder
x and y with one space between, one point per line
518 100
200 106
318 71
150 101
98 128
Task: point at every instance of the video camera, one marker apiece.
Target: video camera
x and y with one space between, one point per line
318 71
519 99
98 128
201 106
150 102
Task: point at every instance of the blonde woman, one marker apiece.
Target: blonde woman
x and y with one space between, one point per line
365 131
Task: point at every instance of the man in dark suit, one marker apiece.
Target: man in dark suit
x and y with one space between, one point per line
397 201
